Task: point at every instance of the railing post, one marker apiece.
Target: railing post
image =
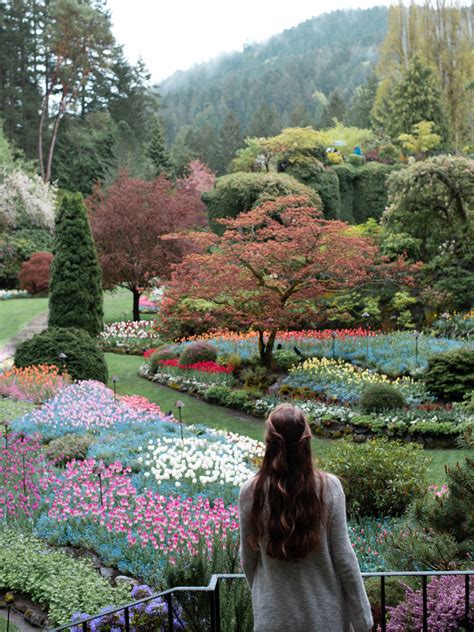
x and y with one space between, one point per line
466 603
170 612
126 613
382 599
84 627
425 602
214 605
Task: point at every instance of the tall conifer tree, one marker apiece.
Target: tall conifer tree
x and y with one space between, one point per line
76 286
156 150
416 98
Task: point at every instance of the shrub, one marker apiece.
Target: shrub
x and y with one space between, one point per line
53 579
238 398
69 447
34 273
379 397
284 360
239 192
380 478
256 377
198 352
357 161
166 352
451 375
84 360
75 298
234 360
217 394
446 607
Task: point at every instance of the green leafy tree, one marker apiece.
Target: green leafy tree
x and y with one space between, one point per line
156 150
421 140
429 217
75 290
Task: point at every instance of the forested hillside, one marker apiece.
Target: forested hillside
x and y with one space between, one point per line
287 80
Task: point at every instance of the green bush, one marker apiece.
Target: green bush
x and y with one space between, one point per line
53 579
233 360
356 160
256 377
283 360
166 352
379 397
370 191
69 447
325 183
198 352
380 478
239 398
451 375
239 192
84 359
217 394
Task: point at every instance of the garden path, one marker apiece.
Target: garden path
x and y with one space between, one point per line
18 620
35 325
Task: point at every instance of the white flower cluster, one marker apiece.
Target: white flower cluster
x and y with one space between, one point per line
24 196
6 294
251 446
197 461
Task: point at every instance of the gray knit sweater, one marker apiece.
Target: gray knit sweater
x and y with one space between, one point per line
322 593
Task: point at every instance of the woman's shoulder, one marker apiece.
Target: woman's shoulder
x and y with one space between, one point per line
247 488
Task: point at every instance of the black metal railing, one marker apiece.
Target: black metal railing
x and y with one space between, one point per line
212 590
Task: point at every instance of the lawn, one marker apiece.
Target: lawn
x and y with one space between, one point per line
196 411
16 313
118 306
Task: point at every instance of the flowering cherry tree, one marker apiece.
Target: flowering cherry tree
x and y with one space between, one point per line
268 270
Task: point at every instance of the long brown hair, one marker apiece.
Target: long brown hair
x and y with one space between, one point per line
287 478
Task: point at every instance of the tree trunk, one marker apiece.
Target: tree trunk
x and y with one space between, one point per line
136 304
266 349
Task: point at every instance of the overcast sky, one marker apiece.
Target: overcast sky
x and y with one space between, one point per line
176 34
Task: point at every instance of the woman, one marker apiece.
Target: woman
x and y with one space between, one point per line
295 549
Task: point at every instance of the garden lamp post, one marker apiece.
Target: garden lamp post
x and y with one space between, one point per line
98 473
114 382
6 425
333 336
365 316
63 358
445 316
417 335
9 599
180 405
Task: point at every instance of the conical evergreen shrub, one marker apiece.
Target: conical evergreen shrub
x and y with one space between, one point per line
76 286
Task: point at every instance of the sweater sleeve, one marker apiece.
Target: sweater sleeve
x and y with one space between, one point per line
248 557
346 564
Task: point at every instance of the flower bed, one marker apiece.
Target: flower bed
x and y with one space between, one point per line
394 354
341 381
33 384
5 295
129 336
86 406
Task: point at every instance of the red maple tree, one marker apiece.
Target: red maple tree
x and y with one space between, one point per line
34 274
267 271
128 222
